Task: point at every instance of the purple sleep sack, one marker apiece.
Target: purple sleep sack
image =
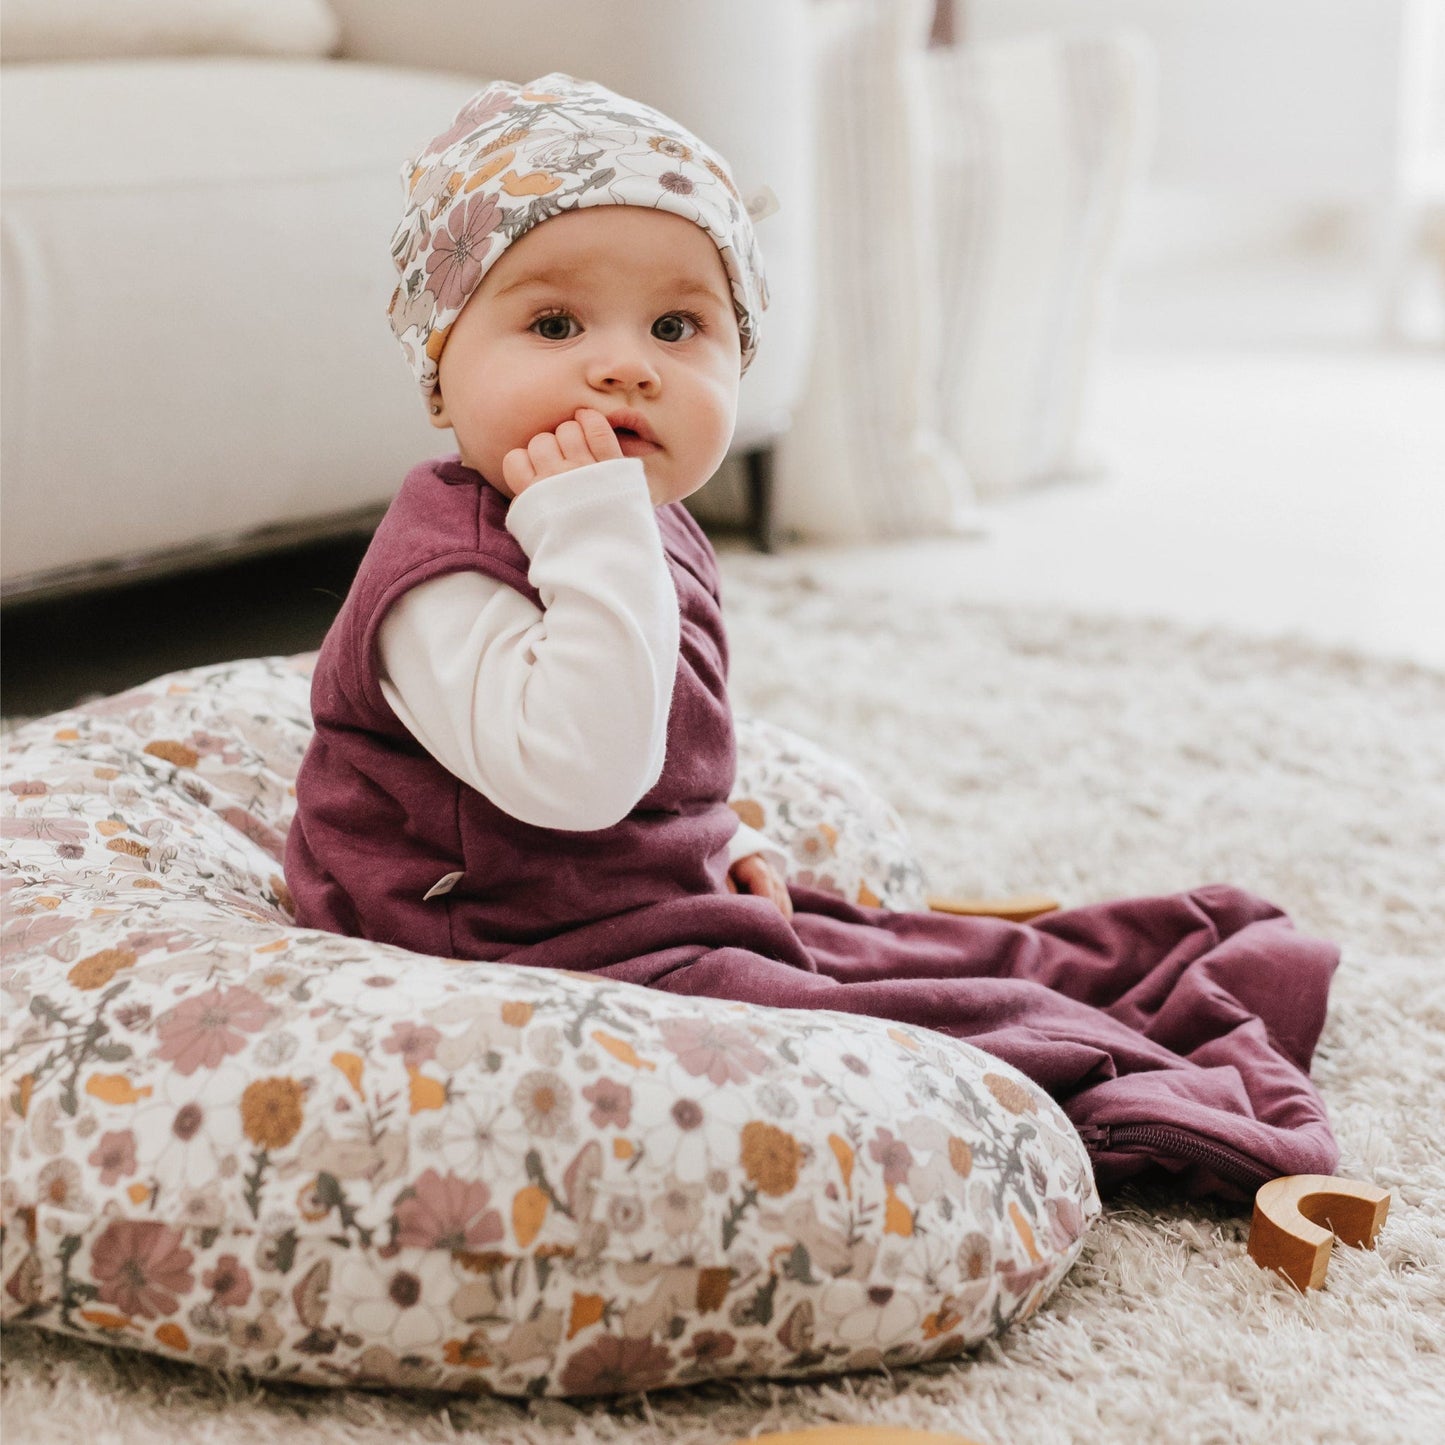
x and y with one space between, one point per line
1176 1031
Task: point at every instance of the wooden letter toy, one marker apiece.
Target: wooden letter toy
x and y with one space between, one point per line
1017 910
1297 1217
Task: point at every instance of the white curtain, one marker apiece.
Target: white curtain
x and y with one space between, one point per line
968 213
866 457
1037 143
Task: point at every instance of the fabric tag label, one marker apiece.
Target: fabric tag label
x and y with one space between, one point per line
761 203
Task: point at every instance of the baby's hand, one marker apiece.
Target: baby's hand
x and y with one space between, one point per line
754 874
586 439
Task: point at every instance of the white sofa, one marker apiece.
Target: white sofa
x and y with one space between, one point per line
196 272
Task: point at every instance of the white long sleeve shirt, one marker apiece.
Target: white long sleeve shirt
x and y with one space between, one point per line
557 714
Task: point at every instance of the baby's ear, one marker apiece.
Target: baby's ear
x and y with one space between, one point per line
437 410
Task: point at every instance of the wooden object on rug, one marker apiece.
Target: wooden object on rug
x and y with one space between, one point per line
1298 1216
1018 909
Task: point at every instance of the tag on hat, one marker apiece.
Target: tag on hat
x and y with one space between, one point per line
761 203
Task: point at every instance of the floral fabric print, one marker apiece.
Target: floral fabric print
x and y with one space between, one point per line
840 836
517 155
309 1157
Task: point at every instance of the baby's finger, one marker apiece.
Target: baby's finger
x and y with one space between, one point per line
782 898
745 872
546 454
770 885
574 444
600 436
518 473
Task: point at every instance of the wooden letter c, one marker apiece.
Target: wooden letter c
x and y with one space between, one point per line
1297 1217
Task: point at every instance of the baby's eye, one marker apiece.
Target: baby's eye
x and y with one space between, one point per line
670 327
554 326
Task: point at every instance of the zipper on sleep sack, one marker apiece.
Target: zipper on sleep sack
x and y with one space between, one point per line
1228 1163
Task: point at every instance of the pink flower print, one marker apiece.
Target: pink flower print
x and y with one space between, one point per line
1066 1222
259 832
611 1103
676 182
229 1282
454 263
214 745
46 829
141 1268
722 1053
487 106
133 1017
710 1345
613 1366
893 1154
448 1213
25 932
114 1155
416 1043
202 1031
170 939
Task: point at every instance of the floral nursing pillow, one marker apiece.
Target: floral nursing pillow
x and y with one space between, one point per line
236 1142
839 835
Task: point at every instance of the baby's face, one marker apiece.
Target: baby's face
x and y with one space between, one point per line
614 307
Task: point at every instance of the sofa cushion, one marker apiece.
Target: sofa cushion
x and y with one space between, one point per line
236 1142
109 29
195 288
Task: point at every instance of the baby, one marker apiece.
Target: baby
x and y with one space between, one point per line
513 637
524 746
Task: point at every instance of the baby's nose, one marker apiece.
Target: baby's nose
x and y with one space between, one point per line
619 368
623 378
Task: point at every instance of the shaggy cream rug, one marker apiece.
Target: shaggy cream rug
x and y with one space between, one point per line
1092 758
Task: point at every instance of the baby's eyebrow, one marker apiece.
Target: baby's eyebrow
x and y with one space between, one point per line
679 286
538 278
690 286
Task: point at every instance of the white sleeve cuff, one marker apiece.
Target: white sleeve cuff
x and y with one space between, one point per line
557 715
619 480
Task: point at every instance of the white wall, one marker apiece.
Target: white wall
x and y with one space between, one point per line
1282 123
1313 100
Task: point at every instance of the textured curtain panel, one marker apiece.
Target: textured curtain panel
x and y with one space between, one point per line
866 457
969 205
1036 144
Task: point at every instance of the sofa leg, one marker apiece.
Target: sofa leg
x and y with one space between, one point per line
760 498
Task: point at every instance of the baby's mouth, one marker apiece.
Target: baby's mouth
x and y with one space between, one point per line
632 444
633 431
